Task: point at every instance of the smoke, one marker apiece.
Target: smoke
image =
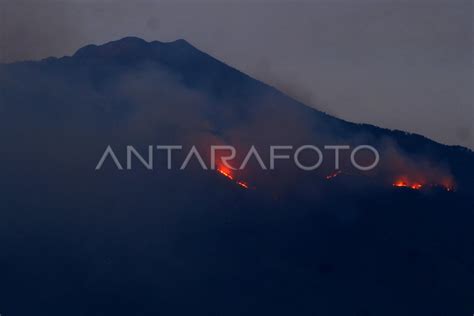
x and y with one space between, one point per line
291 84
341 62
149 104
399 165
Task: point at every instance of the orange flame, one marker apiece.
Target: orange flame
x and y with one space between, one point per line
226 172
407 184
415 185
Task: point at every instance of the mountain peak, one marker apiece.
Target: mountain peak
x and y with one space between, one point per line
179 41
128 47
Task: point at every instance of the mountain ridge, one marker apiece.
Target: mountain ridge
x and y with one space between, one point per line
234 98
135 48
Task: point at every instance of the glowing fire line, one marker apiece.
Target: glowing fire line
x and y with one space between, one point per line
225 174
403 184
243 184
229 176
418 186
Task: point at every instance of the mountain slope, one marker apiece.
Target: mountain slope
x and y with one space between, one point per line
80 241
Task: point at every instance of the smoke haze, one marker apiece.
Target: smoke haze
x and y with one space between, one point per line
398 64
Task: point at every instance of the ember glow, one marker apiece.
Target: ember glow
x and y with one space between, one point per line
405 184
333 175
243 184
226 172
418 185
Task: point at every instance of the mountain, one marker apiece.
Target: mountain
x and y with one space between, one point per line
133 80
77 240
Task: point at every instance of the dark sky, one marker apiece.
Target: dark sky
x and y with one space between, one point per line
404 64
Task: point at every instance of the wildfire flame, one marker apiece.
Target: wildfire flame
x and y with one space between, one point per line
416 185
404 184
227 173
